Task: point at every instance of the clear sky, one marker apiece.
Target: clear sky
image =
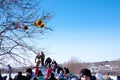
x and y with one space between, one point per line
88 30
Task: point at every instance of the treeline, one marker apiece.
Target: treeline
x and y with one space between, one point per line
75 66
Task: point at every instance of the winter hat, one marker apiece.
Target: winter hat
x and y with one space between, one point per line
29 70
86 72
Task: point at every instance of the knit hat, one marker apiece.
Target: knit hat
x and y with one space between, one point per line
86 72
29 70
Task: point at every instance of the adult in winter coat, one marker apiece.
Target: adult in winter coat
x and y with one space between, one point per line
48 61
9 70
19 76
40 75
42 58
1 76
52 77
38 59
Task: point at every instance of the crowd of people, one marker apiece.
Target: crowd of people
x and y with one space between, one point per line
53 71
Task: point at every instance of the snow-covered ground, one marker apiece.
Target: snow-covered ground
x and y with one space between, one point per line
114 77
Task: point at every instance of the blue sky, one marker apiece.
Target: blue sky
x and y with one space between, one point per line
86 30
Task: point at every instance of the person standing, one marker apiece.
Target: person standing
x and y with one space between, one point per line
38 59
1 78
29 74
48 72
19 76
9 71
48 61
42 58
52 77
40 75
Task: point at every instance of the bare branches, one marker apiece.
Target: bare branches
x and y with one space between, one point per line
17 18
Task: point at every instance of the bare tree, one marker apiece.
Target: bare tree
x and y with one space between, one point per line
74 65
20 22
